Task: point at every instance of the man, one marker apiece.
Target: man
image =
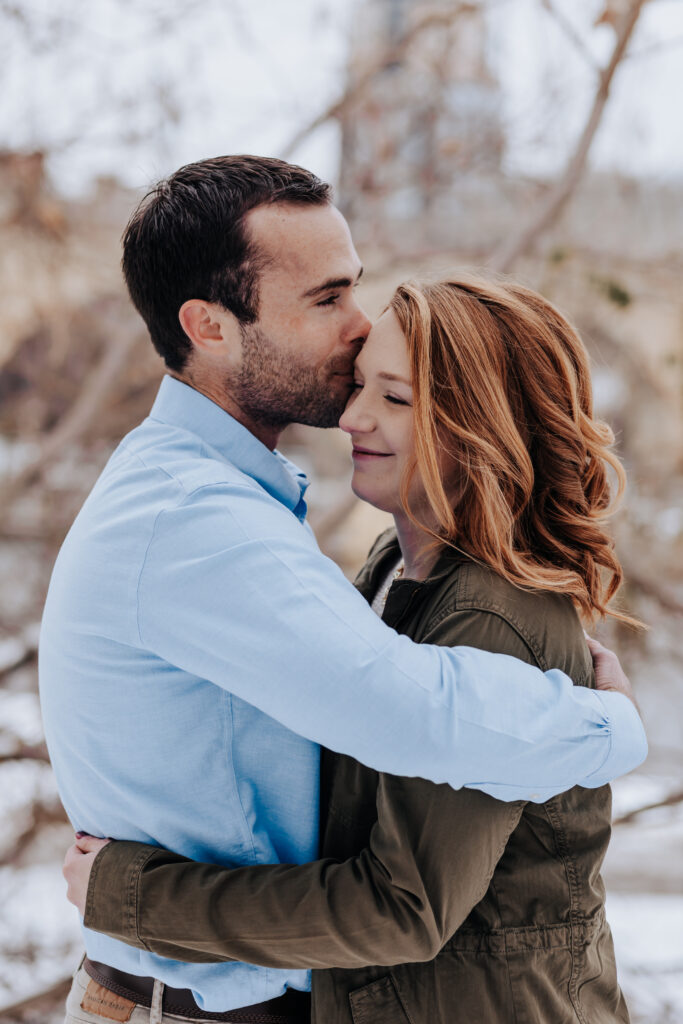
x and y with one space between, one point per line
196 646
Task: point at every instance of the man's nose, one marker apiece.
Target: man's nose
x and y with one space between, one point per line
360 324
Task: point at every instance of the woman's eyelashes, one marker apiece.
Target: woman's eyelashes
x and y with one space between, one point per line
393 399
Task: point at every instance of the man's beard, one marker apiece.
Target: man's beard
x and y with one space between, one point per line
276 390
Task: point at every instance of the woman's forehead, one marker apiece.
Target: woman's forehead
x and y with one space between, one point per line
385 349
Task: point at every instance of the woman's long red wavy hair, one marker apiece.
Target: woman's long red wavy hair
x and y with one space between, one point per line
501 386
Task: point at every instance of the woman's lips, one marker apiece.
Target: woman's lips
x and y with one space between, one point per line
366 455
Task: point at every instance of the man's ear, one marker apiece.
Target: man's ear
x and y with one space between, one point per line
206 324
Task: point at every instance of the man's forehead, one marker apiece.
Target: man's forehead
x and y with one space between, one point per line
298 236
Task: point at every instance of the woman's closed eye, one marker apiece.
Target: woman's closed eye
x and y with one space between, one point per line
395 400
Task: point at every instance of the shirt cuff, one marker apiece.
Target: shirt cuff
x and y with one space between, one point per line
111 904
627 743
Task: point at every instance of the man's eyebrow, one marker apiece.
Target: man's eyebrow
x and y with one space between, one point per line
394 376
331 284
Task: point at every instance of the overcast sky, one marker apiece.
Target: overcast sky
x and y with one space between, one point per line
134 88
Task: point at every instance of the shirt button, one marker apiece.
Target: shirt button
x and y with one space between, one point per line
535 796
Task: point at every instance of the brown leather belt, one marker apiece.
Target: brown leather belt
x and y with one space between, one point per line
292 1008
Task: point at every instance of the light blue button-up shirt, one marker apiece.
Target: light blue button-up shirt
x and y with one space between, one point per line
197 646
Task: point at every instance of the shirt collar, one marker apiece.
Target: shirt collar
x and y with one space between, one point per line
179 405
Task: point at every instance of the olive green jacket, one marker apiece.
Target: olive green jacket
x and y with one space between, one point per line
471 910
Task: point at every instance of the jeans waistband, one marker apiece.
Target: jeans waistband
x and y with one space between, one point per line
291 1008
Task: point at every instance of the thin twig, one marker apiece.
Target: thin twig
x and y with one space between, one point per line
76 421
552 205
570 32
37 752
669 801
41 815
646 585
655 48
48 999
392 55
23 650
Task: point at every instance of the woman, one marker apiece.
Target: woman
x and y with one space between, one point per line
471 422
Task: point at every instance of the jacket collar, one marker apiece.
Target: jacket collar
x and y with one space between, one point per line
179 405
385 553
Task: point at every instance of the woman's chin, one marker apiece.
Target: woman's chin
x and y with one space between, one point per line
373 497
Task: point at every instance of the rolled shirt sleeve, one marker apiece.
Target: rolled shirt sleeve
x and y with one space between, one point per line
233 589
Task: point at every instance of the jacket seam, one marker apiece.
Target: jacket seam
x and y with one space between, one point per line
529 640
90 895
134 895
494 889
575 917
513 811
399 996
583 924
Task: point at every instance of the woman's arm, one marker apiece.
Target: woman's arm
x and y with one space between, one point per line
431 855
398 901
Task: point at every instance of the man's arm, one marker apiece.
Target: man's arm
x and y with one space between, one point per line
234 590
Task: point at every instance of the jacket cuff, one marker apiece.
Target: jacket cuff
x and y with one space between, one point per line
111 904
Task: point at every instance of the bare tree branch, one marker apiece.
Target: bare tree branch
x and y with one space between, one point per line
551 206
390 56
654 48
22 650
44 1001
644 583
570 32
73 425
41 814
669 801
27 656
24 753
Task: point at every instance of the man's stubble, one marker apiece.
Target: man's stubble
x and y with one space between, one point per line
275 390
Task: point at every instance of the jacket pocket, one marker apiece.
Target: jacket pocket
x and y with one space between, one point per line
378 1003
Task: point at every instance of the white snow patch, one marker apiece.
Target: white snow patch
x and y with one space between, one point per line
40 931
19 718
648 940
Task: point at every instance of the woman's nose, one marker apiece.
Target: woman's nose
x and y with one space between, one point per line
357 417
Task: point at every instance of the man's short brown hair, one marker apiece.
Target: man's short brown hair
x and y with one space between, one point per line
186 240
